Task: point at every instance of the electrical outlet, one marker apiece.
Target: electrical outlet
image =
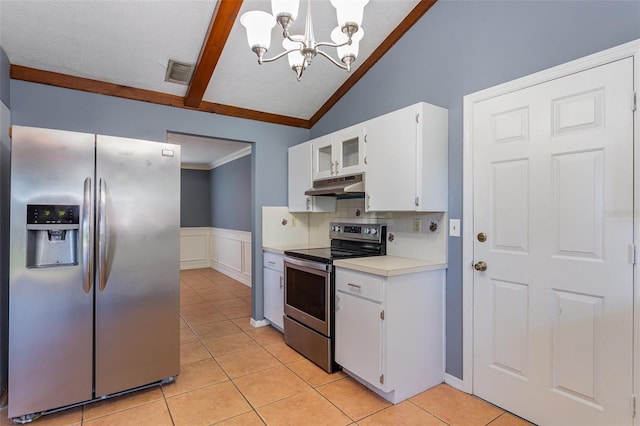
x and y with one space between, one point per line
454 227
293 221
417 225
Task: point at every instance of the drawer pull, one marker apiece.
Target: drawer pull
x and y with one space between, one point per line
270 262
354 285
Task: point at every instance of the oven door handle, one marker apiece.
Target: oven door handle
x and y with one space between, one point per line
308 264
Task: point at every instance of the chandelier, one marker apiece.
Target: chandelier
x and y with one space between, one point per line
301 49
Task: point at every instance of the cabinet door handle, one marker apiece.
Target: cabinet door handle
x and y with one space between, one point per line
337 164
270 262
358 286
337 303
281 281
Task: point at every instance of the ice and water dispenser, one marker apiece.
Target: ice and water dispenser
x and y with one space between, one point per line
52 235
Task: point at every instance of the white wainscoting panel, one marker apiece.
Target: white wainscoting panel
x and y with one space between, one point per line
224 250
194 248
231 253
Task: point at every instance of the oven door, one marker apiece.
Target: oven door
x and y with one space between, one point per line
307 293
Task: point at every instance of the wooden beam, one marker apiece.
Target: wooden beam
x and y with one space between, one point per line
222 21
251 114
33 75
421 8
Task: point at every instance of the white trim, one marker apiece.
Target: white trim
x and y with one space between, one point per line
218 162
259 323
195 166
454 382
231 157
631 49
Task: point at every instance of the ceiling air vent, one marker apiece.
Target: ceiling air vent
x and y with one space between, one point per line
179 72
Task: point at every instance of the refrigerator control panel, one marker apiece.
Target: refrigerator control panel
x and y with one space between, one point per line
44 214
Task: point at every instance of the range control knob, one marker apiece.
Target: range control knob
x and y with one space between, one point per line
373 231
367 230
337 228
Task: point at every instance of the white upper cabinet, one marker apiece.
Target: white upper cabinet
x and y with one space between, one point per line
339 154
300 180
407 160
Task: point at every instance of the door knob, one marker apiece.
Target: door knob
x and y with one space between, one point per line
480 266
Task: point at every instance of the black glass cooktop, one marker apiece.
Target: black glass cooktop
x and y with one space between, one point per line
327 254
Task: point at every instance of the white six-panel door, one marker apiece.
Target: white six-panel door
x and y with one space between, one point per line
553 192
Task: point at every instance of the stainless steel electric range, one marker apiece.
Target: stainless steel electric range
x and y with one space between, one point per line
310 288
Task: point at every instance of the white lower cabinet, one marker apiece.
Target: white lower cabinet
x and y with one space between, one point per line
390 330
273 281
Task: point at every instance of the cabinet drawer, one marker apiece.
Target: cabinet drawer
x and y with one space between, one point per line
357 283
273 261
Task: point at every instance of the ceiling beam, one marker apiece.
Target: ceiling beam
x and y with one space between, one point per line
421 8
222 21
33 75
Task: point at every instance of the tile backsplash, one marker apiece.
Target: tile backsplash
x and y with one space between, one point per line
428 243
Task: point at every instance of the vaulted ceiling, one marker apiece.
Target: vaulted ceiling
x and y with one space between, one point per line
121 48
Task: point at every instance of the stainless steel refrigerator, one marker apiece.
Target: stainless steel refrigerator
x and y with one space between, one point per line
94 268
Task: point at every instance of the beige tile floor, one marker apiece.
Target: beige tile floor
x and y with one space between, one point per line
234 374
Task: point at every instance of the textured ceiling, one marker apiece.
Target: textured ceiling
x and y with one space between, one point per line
128 43
240 81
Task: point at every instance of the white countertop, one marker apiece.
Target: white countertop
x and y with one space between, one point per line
389 266
281 249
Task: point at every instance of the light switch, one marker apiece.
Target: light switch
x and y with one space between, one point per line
454 227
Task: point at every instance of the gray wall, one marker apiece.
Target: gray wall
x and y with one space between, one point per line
52 107
195 198
230 195
460 47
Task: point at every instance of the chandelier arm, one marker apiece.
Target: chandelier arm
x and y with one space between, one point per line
278 56
336 63
326 43
288 36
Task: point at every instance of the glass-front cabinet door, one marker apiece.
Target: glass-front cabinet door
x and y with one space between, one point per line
323 157
351 150
339 154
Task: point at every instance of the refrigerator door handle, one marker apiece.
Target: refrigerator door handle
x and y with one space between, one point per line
102 234
87 236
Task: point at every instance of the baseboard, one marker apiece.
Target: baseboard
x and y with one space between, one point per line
194 264
454 382
259 323
230 272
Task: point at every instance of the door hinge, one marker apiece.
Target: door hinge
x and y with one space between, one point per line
633 405
417 117
634 101
382 315
417 201
382 379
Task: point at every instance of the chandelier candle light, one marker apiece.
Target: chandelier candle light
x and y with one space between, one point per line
301 49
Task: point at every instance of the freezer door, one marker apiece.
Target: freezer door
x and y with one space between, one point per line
50 305
137 263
